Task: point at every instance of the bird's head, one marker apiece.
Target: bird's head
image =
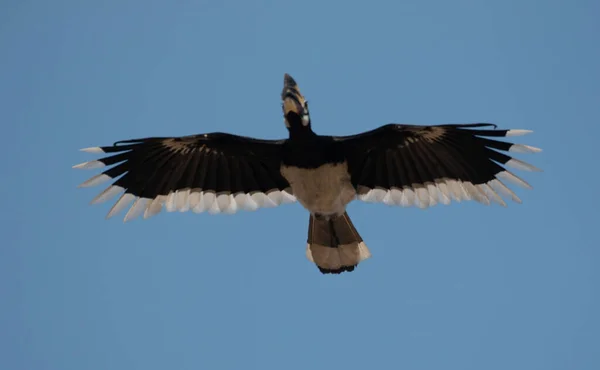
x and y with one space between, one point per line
295 107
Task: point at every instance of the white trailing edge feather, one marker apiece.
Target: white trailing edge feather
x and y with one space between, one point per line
395 197
520 148
138 207
182 200
434 194
409 197
242 201
248 203
377 195
220 204
262 200
96 180
195 198
523 166
200 206
107 194
367 197
422 196
233 206
94 149
214 208
482 195
287 197
275 197
455 190
89 165
493 195
509 176
155 206
447 190
475 193
170 205
518 132
502 188
373 195
387 199
465 195
123 202
444 193
208 198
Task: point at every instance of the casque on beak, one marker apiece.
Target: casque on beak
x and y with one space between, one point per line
294 105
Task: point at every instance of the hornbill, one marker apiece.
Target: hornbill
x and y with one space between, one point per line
396 164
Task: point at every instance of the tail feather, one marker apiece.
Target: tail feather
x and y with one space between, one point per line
334 245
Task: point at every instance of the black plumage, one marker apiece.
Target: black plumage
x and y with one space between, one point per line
406 165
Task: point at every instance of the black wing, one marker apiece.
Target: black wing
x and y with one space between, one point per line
422 165
214 172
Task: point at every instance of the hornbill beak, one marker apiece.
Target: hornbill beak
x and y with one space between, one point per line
293 101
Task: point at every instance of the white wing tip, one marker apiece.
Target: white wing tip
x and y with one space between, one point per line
98 179
515 163
520 148
518 132
89 165
94 149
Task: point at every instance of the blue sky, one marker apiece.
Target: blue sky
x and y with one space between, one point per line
457 287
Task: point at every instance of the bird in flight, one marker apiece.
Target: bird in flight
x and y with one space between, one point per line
395 164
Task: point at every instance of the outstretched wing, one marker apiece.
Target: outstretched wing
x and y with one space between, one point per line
424 165
214 172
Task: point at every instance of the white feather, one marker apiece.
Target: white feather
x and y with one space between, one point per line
492 194
249 203
123 202
433 194
396 196
520 148
262 200
509 176
95 149
98 179
520 165
194 199
444 193
287 197
208 199
422 196
136 209
476 193
170 204
500 187
107 194
389 199
518 132
275 197
215 206
455 190
409 198
233 206
153 208
222 204
89 165
182 200
374 196
200 205
465 195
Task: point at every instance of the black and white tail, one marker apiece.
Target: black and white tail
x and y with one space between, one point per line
334 245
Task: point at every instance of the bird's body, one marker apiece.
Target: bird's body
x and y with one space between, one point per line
324 190
404 165
316 169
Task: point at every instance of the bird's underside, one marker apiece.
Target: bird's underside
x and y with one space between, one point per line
395 164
